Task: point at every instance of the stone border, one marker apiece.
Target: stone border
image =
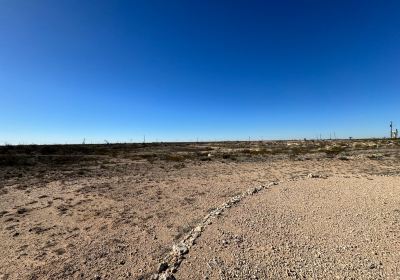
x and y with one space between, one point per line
173 260
170 265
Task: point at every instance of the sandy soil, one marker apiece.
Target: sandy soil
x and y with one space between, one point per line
119 219
335 228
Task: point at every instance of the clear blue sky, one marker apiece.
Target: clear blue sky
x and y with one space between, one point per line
181 70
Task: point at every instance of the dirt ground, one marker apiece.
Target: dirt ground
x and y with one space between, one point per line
115 211
335 228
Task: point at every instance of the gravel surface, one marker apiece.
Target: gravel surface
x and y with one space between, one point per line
335 228
119 211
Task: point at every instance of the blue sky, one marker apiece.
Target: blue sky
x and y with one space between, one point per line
182 70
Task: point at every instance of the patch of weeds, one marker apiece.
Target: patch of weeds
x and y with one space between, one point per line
22 210
375 157
229 156
38 230
205 158
81 172
21 187
189 200
174 158
179 165
345 158
62 209
334 151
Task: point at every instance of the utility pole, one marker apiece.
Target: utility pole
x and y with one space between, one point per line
391 129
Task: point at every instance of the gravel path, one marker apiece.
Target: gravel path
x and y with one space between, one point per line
335 228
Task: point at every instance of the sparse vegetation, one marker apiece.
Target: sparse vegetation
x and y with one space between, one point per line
134 192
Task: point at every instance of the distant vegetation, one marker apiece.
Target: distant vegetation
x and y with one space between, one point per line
26 155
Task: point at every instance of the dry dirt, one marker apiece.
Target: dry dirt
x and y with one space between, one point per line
335 228
115 212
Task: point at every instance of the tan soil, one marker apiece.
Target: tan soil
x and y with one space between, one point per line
335 228
120 220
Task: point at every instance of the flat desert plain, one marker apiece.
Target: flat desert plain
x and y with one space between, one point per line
223 210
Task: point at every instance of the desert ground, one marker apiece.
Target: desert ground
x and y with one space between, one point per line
326 209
